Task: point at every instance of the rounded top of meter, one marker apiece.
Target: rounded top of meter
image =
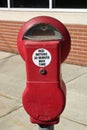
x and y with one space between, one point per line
44 28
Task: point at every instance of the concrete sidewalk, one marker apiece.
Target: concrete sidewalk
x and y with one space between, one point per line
12 84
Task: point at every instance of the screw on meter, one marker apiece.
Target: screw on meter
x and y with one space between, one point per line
41 57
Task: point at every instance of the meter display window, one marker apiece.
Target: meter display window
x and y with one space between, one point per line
43 32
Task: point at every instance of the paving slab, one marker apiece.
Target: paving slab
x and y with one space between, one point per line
70 72
66 124
12 76
17 120
76 108
13 66
7 105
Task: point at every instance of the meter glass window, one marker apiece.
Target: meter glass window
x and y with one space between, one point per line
29 3
43 32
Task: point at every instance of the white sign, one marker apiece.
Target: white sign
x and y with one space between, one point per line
41 57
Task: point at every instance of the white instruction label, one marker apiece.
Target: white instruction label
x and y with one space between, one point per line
41 57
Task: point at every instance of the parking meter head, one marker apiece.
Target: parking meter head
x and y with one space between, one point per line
44 28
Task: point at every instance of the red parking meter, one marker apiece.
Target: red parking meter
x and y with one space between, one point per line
44 43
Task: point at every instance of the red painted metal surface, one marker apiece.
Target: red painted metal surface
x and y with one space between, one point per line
43 98
45 94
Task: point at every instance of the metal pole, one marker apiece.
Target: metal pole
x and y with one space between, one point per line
46 127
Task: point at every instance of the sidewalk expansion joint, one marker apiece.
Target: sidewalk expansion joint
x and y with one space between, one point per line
6 58
76 77
9 97
77 122
13 110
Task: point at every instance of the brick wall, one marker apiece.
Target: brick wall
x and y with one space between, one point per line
8 35
78 54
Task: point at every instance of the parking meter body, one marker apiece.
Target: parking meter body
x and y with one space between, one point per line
44 43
